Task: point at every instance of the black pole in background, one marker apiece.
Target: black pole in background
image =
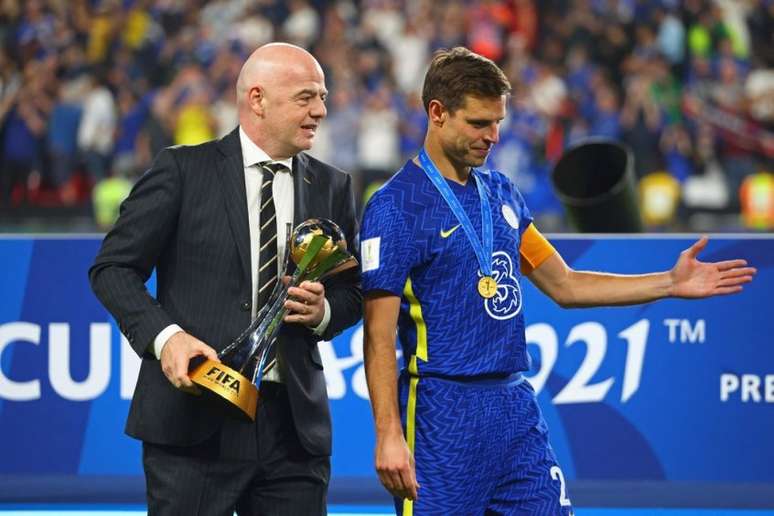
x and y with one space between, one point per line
595 182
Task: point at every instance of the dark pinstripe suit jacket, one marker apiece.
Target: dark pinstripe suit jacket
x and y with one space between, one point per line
187 217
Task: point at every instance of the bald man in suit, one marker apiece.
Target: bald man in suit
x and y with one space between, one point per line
211 220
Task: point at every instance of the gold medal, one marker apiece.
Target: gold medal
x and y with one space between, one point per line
487 287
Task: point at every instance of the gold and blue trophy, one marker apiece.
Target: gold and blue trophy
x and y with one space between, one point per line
318 248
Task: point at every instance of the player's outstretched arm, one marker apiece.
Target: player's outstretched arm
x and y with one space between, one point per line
393 459
689 278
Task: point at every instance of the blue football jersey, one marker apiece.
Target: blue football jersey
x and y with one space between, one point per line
413 246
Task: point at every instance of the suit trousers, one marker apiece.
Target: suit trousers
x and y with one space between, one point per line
275 477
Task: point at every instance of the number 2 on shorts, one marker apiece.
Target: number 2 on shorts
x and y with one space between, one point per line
556 474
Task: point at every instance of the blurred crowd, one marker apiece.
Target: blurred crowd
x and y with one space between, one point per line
91 90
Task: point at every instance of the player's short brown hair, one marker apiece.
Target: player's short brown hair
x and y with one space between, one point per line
457 72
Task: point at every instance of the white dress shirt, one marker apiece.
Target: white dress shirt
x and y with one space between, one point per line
282 192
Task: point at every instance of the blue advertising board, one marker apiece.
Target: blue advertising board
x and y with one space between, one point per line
674 392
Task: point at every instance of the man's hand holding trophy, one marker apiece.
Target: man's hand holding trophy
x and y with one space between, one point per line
318 248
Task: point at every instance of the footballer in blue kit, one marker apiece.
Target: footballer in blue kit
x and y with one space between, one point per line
445 244
424 257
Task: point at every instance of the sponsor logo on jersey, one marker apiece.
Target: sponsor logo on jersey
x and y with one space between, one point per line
506 303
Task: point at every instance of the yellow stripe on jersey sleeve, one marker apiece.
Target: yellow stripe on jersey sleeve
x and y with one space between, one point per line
534 249
415 311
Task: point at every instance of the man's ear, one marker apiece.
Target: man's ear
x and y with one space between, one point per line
255 98
437 113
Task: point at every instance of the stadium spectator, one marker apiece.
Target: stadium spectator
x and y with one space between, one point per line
96 131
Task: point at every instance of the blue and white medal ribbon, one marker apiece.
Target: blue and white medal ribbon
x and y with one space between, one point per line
487 286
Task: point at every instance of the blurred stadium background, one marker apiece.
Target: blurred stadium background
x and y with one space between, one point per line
90 90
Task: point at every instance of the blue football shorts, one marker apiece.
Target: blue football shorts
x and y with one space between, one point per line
480 447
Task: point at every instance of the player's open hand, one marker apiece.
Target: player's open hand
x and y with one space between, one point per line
306 304
693 279
176 355
395 467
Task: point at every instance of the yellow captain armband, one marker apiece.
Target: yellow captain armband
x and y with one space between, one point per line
534 249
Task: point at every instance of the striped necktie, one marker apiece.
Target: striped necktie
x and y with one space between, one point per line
267 256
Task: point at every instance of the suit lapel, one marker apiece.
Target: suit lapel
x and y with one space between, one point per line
232 172
304 180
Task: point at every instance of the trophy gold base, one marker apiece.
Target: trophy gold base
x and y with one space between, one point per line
228 384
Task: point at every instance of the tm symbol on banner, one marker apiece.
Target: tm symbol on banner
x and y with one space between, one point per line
686 331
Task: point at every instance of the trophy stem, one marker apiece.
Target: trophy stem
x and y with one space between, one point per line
264 336
267 335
